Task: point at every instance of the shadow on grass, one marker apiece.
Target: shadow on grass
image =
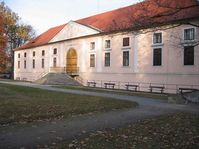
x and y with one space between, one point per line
25 104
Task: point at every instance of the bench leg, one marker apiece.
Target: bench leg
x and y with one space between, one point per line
135 89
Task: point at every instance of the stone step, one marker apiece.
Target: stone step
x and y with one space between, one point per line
57 79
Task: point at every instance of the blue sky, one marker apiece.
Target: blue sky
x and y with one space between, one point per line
44 14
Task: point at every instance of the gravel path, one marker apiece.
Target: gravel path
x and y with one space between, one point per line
29 136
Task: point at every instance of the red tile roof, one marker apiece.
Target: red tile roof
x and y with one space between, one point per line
43 38
144 14
141 15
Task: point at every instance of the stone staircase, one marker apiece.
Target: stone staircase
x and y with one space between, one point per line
57 79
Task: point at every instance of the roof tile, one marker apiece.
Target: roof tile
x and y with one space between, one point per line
144 14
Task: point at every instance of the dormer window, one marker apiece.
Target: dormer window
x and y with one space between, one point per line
157 38
92 45
189 34
107 44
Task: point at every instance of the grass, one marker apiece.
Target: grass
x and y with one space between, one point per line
25 104
117 91
171 131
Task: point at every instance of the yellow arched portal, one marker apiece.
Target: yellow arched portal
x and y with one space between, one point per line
71 61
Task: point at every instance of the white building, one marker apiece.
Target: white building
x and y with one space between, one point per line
141 44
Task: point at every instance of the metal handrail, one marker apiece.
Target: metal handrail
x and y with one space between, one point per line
142 85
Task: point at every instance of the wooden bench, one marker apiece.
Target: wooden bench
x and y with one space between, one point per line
109 85
181 90
91 84
159 88
129 86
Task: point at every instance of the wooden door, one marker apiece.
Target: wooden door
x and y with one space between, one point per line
71 60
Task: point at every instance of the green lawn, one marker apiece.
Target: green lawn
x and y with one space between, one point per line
180 131
25 104
117 91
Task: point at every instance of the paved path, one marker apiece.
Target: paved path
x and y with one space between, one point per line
48 132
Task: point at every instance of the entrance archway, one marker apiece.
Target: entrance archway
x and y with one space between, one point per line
71 61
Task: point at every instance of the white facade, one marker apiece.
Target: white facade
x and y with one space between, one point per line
141 67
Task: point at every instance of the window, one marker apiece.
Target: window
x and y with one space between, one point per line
18 55
92 60
107 44
42 63
55 51
54 62
18 64
25 54
33 53
125 42
33 64
43 53
92 45
189 34
157 57
24 64
157 38
126 58
107 60
189 55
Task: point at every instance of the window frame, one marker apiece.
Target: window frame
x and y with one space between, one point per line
92 45
123 41
54 62
18 64
92 65
24 64
153 38
194 34
154 60
107 44
43 53
55 51
105 59
42 63
25 54
33 64
185 62
123 59
33 53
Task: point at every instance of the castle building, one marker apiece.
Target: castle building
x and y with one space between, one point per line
151 42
